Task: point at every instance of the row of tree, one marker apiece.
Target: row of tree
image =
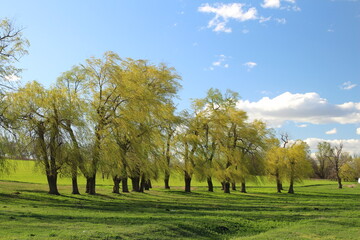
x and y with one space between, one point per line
116 117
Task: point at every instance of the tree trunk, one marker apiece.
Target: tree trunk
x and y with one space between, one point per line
135 184
116 187
210 184
87 188
291 188
142 184
90 184
226 187
339 181
124 183
243 187
278 185
187 182
222 186
233 186
75 188
166 179
52 182
149 183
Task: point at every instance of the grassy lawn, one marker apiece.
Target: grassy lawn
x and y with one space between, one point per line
318 210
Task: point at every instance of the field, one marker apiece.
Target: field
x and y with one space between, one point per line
318 210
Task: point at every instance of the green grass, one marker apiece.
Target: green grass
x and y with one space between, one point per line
318 210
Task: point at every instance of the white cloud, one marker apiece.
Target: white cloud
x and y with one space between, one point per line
280 20
348 85
331 132
264 19
265 92
331 30
296 9
277 4
302 125
250 65
300 108
358 131
12 78
271 4
351 146
245 31
220 62
225 12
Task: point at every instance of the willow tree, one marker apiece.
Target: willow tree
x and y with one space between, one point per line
208 112
167 143
102 78
275 163
13 45
230 122
74 110
35 111
148 91
297 163
186 144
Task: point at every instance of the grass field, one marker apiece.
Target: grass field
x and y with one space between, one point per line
318 210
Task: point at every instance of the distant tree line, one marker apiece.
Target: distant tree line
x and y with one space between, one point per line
116 117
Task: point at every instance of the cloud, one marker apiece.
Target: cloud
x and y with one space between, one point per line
358 131
271 4
300 108
280 20
302 125
12 78
220 62
245 31
265 92
331 132
264 19
277 5
348 85
250 65
351 146
225 12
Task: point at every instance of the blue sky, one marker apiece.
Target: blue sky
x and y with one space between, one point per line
295 63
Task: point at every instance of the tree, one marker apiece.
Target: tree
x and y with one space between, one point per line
186 147
13 46
275 163
74 109
253 145
34 110
297 163
207 112
103 79
336 157
167 143
349 171
231 124
136 124
323 161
